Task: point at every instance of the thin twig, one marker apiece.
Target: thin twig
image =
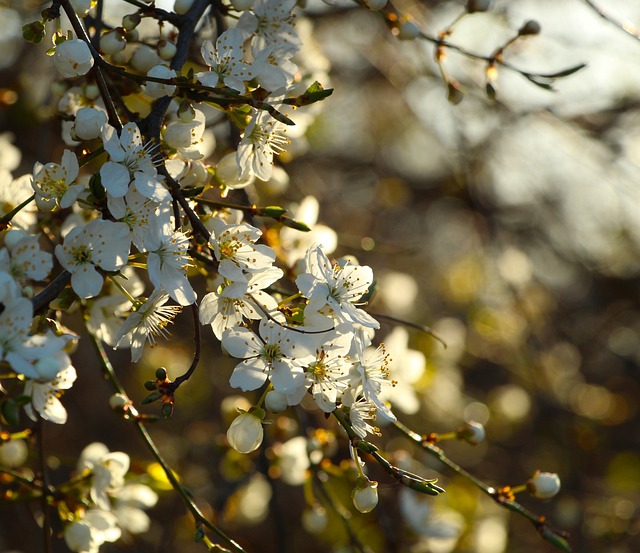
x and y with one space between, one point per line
139 421
611 20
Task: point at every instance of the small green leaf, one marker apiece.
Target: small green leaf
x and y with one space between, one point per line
33 32
155 396
454 94
199 534
167 410
11 412
554 538
490 91
315 93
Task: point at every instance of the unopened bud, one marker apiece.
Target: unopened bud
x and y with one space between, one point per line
131 21
365 495
472 432
408 31
531 27
186 112
276 402
544 485
118 402
166 49
113 41
161 373
245 433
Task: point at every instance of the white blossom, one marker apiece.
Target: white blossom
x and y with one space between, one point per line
100 243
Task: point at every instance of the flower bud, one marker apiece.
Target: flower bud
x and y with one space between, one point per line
73 58
131 21
118 402
186 113
544 485
158 90
245 433
472 432
144 58
113 42
365 495
166 49
408 31
91 91
13 453
314 519
276 402
89 123
531 27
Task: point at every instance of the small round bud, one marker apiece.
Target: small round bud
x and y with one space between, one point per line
375 5
91 91
166 49
133 35
474 6
408 31
531 27
73 58
158 90
186 112
131 21
161 373
544 485
276 402
150 385
13 453
113 41
118 402
144 58
245 433
314 519
182 6
89 123
472 432
365 495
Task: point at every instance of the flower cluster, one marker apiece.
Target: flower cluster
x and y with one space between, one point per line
138 228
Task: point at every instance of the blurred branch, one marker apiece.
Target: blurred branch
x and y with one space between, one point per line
130 413
501 496
624 28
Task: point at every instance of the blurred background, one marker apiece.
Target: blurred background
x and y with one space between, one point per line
510 227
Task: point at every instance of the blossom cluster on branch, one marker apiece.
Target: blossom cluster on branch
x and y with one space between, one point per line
137 221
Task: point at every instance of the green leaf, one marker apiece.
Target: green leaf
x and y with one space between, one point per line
554 538
11 412
33 32
155 396
315 93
